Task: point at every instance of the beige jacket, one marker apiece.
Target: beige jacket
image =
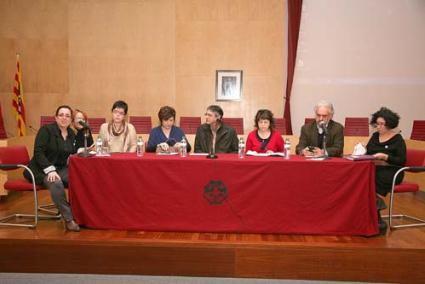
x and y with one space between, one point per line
126 142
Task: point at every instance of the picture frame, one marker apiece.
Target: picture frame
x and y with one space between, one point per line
228 85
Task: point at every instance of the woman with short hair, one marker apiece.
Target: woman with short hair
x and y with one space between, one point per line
389 149
166 137
53 145
264 138
120 135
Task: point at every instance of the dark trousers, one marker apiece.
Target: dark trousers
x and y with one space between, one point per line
57 193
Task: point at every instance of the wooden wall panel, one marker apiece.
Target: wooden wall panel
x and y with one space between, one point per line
150 53
38 31
236 35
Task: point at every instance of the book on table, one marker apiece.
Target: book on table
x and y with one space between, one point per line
359 157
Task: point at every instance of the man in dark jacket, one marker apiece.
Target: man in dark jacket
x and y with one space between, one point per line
313 134
213 136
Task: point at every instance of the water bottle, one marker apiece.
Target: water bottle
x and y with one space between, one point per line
241 148
99 144
105 148
287 149
183 151
140 147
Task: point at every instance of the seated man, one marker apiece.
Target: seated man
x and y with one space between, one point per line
213 136
312 134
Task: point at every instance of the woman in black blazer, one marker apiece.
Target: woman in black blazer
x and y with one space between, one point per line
53 145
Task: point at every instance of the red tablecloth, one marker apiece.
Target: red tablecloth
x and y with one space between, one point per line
250 195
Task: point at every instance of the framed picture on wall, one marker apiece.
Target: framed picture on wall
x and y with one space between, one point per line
228 85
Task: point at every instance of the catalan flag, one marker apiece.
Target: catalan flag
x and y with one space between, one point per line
18 100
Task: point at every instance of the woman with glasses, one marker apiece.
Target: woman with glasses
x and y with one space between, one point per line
389 149
264 139
53 145
166 137
118 134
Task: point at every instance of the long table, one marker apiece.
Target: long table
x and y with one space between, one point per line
249 195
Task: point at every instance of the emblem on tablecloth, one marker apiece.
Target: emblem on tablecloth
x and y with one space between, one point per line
215 192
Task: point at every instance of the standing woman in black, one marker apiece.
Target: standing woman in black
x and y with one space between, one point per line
53 145
389 149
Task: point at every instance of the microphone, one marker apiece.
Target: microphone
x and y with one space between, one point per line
83 124
211 154
322 127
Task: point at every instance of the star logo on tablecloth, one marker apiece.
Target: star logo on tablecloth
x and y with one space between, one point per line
215 192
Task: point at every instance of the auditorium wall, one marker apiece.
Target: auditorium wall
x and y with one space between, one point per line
149 53
361 55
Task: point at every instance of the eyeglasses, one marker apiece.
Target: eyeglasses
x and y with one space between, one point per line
119 112
378 124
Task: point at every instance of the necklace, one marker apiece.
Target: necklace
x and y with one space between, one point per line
119 131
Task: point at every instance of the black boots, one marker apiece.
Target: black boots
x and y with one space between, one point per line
382 225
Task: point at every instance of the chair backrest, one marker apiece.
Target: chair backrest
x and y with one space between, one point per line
280 125
308 120
189 124
415 158
46 119
14 155
95 123
418 130
236 123
356 126
143 124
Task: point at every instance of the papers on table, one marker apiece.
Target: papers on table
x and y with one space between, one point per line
316 158
272 154
198 154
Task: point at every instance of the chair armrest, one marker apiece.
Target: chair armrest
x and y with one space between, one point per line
8 167
415 169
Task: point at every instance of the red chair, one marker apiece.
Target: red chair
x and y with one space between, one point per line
418 130
95 123
46 119
189 124
356 126
280 125
143 124
415 163
13 158
236 123
3 134
308 120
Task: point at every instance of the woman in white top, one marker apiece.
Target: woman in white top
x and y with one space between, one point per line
120 134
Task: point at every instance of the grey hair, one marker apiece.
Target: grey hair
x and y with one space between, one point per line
325 104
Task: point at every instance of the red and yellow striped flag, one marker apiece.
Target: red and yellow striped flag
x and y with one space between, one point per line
18 100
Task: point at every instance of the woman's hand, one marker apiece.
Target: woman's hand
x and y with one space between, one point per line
53 176
163 146
381 156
